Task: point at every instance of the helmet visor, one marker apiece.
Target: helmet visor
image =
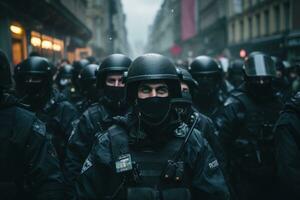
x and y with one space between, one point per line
260 65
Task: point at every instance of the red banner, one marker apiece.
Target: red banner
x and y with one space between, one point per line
188 19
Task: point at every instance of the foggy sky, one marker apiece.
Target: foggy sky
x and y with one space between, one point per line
139 15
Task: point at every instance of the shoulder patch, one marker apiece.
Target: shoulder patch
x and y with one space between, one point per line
87 164
39 127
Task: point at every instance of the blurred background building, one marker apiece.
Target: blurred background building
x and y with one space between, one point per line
271 26
59 29
226 28
53 28
106 19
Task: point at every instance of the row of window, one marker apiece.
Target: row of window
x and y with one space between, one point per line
259 24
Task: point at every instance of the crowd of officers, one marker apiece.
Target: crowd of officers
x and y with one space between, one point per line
148 129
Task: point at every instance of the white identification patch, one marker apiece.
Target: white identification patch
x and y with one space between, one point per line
213 164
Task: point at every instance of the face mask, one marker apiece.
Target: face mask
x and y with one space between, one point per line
260 90
154 110
115 96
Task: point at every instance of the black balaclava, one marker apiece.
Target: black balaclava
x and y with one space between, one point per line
260 88
206 94
34 93
114 98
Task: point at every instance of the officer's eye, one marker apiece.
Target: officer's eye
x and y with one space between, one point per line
111 80
162 90
145 89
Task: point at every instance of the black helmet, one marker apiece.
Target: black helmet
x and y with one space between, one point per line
208 74
185 76
87 79
205 65
65 76
236 72
112 63
278 64
236 67
259 65
77 67
66 71
5 73
260 72
33 76
151 67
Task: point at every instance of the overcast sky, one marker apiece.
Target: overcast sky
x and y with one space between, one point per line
139 15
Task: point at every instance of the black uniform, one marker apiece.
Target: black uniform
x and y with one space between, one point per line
201 175
59 115
287 133
29 168
235 73
145 155
34 85
186 110
245 130
98 117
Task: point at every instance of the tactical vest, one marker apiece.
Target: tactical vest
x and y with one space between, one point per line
14 129
144 171
254 149
54 135
100 118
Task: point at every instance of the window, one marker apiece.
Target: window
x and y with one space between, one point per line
250 27
237 6
233 32
242 30
267 22
257 16
287 15
277 18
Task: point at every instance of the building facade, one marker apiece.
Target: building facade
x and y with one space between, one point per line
54 29
271 26
186 28
107 20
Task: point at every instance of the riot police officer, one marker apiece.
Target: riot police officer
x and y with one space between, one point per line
207 96
281 83
64 81
185 109
235 73
87 87
245 129
99 116
77 67
33 79
29 167
141 156
287 133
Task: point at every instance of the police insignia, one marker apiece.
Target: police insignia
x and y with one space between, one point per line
213 164
123 163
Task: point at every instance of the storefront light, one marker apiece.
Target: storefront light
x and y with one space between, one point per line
35 41
46 44
16 29
56 47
